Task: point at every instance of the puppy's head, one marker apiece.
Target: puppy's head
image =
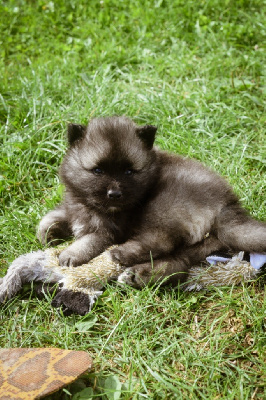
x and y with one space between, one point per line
110 163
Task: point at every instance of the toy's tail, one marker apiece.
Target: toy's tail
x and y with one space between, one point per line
26 268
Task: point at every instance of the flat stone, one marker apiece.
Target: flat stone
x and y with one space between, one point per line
35 373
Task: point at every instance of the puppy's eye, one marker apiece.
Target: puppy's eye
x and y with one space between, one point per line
128 172
97 171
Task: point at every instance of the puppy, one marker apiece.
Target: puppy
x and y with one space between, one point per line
165 211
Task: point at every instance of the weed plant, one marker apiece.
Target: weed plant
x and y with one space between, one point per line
196 70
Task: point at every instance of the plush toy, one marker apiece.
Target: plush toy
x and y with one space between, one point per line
79 287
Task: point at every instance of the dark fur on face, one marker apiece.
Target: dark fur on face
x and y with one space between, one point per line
120 189
114 164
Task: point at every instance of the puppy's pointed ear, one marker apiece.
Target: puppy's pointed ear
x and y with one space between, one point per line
147 134
75 132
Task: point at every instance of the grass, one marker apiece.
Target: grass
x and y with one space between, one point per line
195 69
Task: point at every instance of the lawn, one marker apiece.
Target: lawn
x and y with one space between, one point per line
196 70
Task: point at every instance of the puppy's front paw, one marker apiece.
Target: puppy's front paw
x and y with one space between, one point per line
121 257
69 259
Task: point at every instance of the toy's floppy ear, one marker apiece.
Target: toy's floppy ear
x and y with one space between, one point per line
75 132
147 134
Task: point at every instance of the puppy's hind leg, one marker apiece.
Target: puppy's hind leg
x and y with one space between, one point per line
239 231
53 227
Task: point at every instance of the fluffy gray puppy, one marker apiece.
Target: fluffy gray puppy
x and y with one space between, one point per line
119 189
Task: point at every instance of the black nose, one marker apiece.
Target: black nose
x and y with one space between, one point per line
114 194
